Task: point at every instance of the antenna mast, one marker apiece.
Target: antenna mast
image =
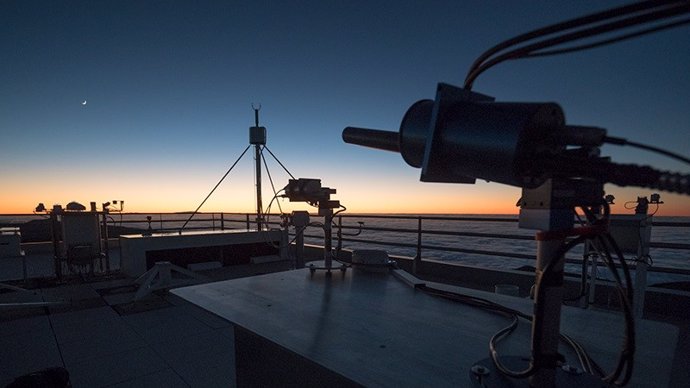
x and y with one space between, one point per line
257 137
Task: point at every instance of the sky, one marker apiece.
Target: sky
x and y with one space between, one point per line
169 88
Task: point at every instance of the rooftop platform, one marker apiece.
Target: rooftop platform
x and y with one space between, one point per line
105 340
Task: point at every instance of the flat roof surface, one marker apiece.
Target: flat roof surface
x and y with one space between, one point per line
105 340
377 331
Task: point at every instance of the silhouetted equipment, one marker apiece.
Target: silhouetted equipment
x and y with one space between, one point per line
642 205
80 238
462 136
310 190
609 199
257 138
300 220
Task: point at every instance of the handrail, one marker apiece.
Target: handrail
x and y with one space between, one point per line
488 218
211 220
444 232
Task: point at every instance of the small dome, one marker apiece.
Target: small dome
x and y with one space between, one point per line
75 206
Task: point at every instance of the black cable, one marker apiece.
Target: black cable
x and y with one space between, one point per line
495 307
621 295
548 273
624 142
627 205
561 26
583 284
608 41
583 279
626 271
268 209
626 357
546 278
281 164
214 188
270 179
537 319
521 52
651 214
627 353
494 353
336 214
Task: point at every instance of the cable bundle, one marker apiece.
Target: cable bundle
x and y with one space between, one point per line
605 22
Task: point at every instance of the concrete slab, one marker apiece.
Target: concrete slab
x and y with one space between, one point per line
110 284
87 324
83 318
166 378
24 327
72 292
99 343
148 303
204 360
116 368
29 296
118 299
209 319
164 324
26 349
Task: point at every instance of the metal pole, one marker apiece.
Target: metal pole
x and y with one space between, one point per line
340 235
641 266
593 273
299 249
417 263
327 235
257 158
222 221
106 247
257 150
57 255
547 308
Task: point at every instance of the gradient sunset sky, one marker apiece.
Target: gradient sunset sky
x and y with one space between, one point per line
169 85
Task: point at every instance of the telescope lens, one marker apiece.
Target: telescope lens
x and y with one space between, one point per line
414 130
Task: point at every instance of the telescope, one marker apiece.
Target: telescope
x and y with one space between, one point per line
462 136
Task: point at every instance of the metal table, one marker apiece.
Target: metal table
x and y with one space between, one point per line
358 328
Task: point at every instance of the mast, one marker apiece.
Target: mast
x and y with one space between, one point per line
257 137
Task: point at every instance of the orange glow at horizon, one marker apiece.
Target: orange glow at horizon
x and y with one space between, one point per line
162 193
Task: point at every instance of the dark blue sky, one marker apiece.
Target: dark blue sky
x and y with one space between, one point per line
169 84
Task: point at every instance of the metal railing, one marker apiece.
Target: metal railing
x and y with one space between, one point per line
406 237
419 232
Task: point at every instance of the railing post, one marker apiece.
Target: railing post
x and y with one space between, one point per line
247 221
417 263
160 218
213 221
222 221
340 235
